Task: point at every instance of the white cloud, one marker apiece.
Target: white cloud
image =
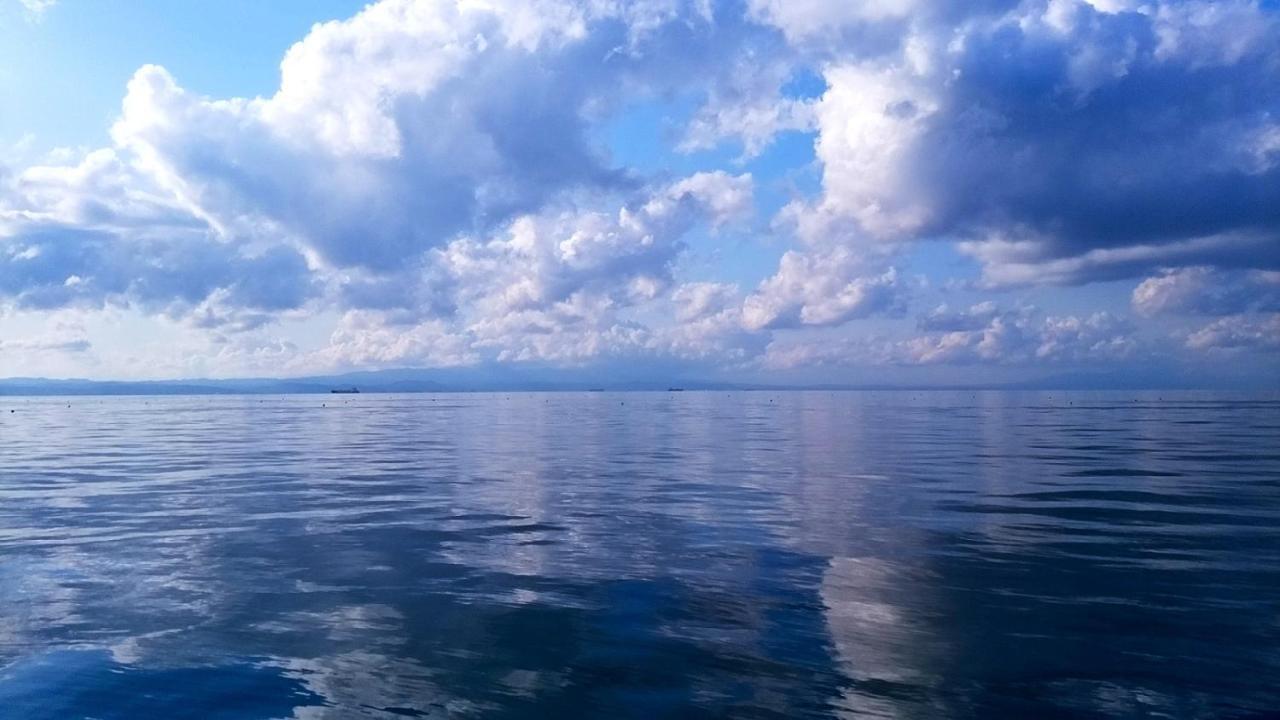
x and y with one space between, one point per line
1208 33
37 8
870 121
944 319
1237 333
814 20
821 288
363 340
1207 291
553 286
1013 127
557 286
411 128
431 176
708 326
750 105
1018 337
391 132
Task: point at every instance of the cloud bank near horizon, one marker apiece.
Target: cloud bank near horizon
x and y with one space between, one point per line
435 184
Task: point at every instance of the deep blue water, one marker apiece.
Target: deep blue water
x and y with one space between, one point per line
666 555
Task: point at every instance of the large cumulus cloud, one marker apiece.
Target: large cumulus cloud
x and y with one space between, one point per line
430 176
417 120
393 134
1062 141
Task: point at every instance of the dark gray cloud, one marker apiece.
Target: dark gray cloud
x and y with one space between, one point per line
1163 149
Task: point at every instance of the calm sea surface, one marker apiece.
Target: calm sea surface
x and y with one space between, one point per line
665 555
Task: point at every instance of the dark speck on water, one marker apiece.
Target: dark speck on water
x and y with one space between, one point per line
807 555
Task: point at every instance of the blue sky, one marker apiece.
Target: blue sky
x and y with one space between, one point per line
858 192
63 73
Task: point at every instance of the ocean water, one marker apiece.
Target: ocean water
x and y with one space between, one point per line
664 555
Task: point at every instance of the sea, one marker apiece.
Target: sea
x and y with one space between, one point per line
641 555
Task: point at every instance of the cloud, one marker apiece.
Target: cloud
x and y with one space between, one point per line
99 191
540 260
99 232
980 334
944 319
430 178
751 105
410 123
37 8
363 340
60 346
709 325
1238 333
1207 291
556 285
822 288
700 300
1020 262
844 26
1023 336
1063 141
50 266
393 134
1012 128
61 338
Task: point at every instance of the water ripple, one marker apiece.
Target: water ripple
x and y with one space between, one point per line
745 555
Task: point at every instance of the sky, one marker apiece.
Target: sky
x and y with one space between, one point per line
794 191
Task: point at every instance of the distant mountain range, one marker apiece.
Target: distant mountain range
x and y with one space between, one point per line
503 380
386 381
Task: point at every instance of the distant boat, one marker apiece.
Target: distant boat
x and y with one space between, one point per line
347 391
596 390
674 389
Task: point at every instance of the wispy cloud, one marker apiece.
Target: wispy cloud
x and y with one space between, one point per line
37 8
